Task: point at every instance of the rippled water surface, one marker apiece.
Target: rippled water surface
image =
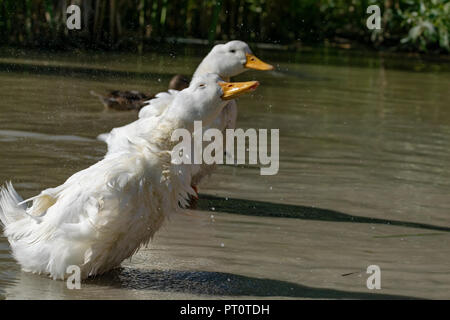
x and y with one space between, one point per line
364 177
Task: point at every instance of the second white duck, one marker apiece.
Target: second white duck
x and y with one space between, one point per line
226 60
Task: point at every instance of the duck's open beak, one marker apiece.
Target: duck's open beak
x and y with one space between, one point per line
232 90
254 63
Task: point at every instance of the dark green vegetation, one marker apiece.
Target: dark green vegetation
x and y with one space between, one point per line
412 25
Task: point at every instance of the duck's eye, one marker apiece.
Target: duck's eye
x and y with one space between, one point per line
233 51
202 85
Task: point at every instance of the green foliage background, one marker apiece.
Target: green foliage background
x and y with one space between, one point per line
414 25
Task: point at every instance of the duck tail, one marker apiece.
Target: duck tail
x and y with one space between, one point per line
95 94
10 209
103 137
103 99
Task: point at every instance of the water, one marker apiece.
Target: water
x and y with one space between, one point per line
364 177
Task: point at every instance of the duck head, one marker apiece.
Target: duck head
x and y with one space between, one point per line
230 59
204 99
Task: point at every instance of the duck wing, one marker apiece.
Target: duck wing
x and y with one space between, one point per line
125 138
156 106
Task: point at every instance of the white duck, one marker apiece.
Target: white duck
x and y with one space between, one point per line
226 60
103 214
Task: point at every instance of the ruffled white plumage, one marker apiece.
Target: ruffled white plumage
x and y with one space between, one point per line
122 138
98 217
156 106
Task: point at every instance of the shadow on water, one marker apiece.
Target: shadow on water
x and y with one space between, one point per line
222 284
267 209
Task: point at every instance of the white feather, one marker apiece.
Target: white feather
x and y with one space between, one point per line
108 210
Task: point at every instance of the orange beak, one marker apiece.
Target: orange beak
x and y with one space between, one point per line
232 90
254 63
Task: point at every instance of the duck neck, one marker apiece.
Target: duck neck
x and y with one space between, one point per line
160 136
206 67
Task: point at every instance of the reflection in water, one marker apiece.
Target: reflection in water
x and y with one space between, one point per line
366 141
78 71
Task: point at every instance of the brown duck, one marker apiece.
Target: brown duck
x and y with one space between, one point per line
135 100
